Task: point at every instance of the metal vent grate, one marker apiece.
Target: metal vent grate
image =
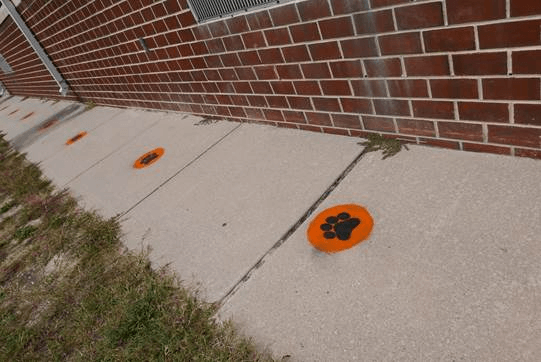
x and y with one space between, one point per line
209 9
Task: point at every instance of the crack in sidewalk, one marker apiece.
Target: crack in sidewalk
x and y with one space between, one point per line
291 230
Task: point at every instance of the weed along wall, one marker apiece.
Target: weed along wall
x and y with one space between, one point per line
460 74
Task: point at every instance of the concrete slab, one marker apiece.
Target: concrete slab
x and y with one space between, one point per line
29 113
450 272
55 141
121 186
98 145
217 217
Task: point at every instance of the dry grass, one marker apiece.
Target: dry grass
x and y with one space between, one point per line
70 291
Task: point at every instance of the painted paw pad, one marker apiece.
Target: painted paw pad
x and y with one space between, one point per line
340 226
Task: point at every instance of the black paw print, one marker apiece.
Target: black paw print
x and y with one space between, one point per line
339 226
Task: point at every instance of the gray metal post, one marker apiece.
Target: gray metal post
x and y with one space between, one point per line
12 11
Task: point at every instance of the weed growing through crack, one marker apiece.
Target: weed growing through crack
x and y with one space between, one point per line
74 293
377 142
89 105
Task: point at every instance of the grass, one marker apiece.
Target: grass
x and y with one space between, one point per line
388 146
70 291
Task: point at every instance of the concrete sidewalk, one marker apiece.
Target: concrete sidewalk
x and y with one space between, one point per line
450 271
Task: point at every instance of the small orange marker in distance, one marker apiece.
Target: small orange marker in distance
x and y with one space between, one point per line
27 116
339 228
149 158
75 138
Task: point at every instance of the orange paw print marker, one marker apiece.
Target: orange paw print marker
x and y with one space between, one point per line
149 158
339 228
75 138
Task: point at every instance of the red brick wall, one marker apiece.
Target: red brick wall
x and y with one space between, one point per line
461 74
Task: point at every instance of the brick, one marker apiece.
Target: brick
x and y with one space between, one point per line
382 124
356 105
245 73
465 11
315 70
519 136
304 32
369 88
294 116
512 88
390 67
336 27
346 121
299 102
515 34
261 87
253 113
215 45
335 87
321 119
257 101
273 115
346 69
449 39
433 109
439 143
237 112
284 15
407 88
349 6
381 3
265 72
307 87
277 101
427 65
341 132
218 29
480 63
391 107
521 152
270 56
277 36
237 24
462 131
374 22
326 50
525 7
419 16
250 57
315 9
485 112
359 48
416 127
233 43
305 127
242 87
527 62
297 53
476 147
259 20
528 114
408 43
289 71
230 60
454 88
282 87
254 39
326 104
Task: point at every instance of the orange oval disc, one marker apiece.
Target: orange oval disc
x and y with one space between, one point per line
47 124
149 158
27 116
339 228
76 138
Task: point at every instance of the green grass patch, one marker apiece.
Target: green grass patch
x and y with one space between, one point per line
388 146
73 292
